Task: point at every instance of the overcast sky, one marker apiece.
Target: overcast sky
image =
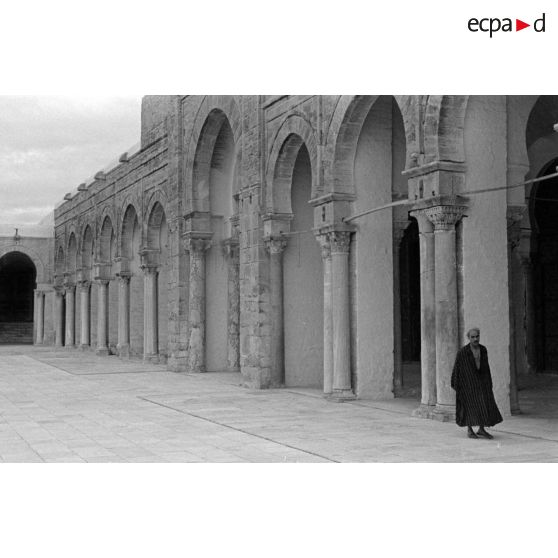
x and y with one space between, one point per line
49 145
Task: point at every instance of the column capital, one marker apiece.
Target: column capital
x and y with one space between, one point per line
147 270
101 281
197 246
84 284
231 247
123 276
340 241
425 225
275 244
445 217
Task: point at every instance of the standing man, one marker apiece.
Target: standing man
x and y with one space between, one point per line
472 382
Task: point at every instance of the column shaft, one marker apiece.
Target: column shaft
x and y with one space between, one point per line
102 317
398 233
150 315
233 310
325 246
340 242
59 318
40 318
85 301
427 314
70 316
123 315
275 247
196 345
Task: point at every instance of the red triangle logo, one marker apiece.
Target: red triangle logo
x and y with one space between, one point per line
519 25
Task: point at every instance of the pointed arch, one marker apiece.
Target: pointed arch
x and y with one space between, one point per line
293 133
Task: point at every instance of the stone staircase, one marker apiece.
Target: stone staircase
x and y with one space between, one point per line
17 333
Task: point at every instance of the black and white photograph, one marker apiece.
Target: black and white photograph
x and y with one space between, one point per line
227 310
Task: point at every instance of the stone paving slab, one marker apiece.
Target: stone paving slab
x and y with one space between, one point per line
70 406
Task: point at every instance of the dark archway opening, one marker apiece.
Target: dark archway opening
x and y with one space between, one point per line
544 209
17 283
409 265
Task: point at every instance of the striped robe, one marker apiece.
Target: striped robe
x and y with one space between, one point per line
475 404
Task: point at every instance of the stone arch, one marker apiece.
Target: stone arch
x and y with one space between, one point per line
291 136
343 133
155 218
129 219
211 114
107 211
59 265
72 259
444 124
87 248
18 277
42 275
106 240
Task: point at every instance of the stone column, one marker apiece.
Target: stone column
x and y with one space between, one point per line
102 317
232 255
514 217
196 344
150 314
427 316
325 246
85 307
85 314
70 315
123 345
39 317
59 317
340 243
444 218
275 246
398 232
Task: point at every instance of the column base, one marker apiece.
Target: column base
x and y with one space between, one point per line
444 413
424 411
102 351
84 347
69 346
341 395
151 359
516 411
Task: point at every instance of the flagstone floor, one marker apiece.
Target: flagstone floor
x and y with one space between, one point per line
69 406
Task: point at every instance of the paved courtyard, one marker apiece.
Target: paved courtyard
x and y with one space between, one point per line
69 406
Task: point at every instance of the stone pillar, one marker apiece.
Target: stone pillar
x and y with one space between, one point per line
325 245
275 246
102 317
85 302
340 243
150 314
514 217
398 232
444 218
427 316
123 345
59 317
196 299
39 317
70 315
232 255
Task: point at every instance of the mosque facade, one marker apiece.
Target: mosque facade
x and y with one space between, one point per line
331 242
